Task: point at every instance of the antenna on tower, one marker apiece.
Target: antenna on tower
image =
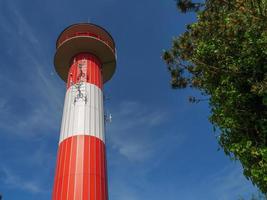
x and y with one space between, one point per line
108 117
107 114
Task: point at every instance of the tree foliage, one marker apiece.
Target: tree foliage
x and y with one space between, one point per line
188 5
224 55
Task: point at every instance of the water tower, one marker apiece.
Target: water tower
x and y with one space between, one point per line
85 59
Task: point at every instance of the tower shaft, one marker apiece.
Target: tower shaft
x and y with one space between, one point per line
81 160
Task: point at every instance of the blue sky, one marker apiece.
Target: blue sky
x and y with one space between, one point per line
159 146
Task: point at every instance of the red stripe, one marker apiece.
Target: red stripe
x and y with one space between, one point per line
56 174
72 168
98 168
92 169
60 170
91 70
81 169
105 171
86 167
66 170
104 185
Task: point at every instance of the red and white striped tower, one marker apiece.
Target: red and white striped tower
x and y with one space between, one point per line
85 58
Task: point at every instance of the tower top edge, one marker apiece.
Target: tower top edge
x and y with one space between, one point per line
85 27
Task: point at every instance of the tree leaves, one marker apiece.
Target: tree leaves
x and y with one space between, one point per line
224 55
188 5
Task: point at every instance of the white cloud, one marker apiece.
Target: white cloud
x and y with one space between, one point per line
13 180
27 82
133 135
122 191
43 92
230 183
226 184
135 132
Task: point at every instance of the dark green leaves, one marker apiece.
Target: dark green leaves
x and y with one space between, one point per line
224 55
188 5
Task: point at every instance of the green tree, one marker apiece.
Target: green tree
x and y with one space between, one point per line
224 55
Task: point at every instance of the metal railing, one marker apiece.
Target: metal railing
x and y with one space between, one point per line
62 40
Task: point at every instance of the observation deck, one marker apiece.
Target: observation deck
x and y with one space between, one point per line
85 38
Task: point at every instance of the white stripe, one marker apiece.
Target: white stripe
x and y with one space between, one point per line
80 117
